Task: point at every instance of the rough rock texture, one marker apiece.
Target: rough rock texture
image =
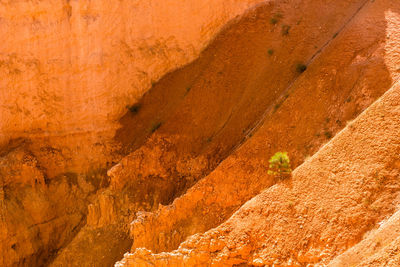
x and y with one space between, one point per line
188 140
36 215
75 101
371 250
200 209
332 199
330 93
69 68
191 140
68 72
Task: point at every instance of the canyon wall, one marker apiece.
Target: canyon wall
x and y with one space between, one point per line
343 191
364 51
69 69
146 126
319 103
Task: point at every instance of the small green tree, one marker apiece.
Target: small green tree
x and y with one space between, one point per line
279 165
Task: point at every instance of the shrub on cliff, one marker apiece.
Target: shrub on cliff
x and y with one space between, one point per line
134 108
155 127
300 68
279 165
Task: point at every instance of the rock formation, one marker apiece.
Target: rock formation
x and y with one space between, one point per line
145 128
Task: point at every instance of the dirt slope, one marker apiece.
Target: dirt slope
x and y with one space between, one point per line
332 199
330 93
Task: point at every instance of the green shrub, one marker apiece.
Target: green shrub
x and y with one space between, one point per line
135 108
279 165
187 90
328 134
277 106
285 30
155 127
273 21
300 68
270 52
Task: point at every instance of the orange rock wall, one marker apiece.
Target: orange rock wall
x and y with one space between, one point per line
333 91
68 69
327 206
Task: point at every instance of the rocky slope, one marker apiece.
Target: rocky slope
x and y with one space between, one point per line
191 140
69 70
85 145
332 199
317 105
211 200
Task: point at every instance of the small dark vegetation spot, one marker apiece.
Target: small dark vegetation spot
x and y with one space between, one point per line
277 106
379 181
350 124
209 139
270 52
285 30
335 35
348 100
155 127
273 21
300 68
188 90
134 108
328 134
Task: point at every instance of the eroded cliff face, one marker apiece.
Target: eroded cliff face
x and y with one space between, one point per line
91 159
37 216
318 104
241 175
310 218
69 70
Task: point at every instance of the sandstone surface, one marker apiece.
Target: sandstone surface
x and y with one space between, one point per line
145 128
